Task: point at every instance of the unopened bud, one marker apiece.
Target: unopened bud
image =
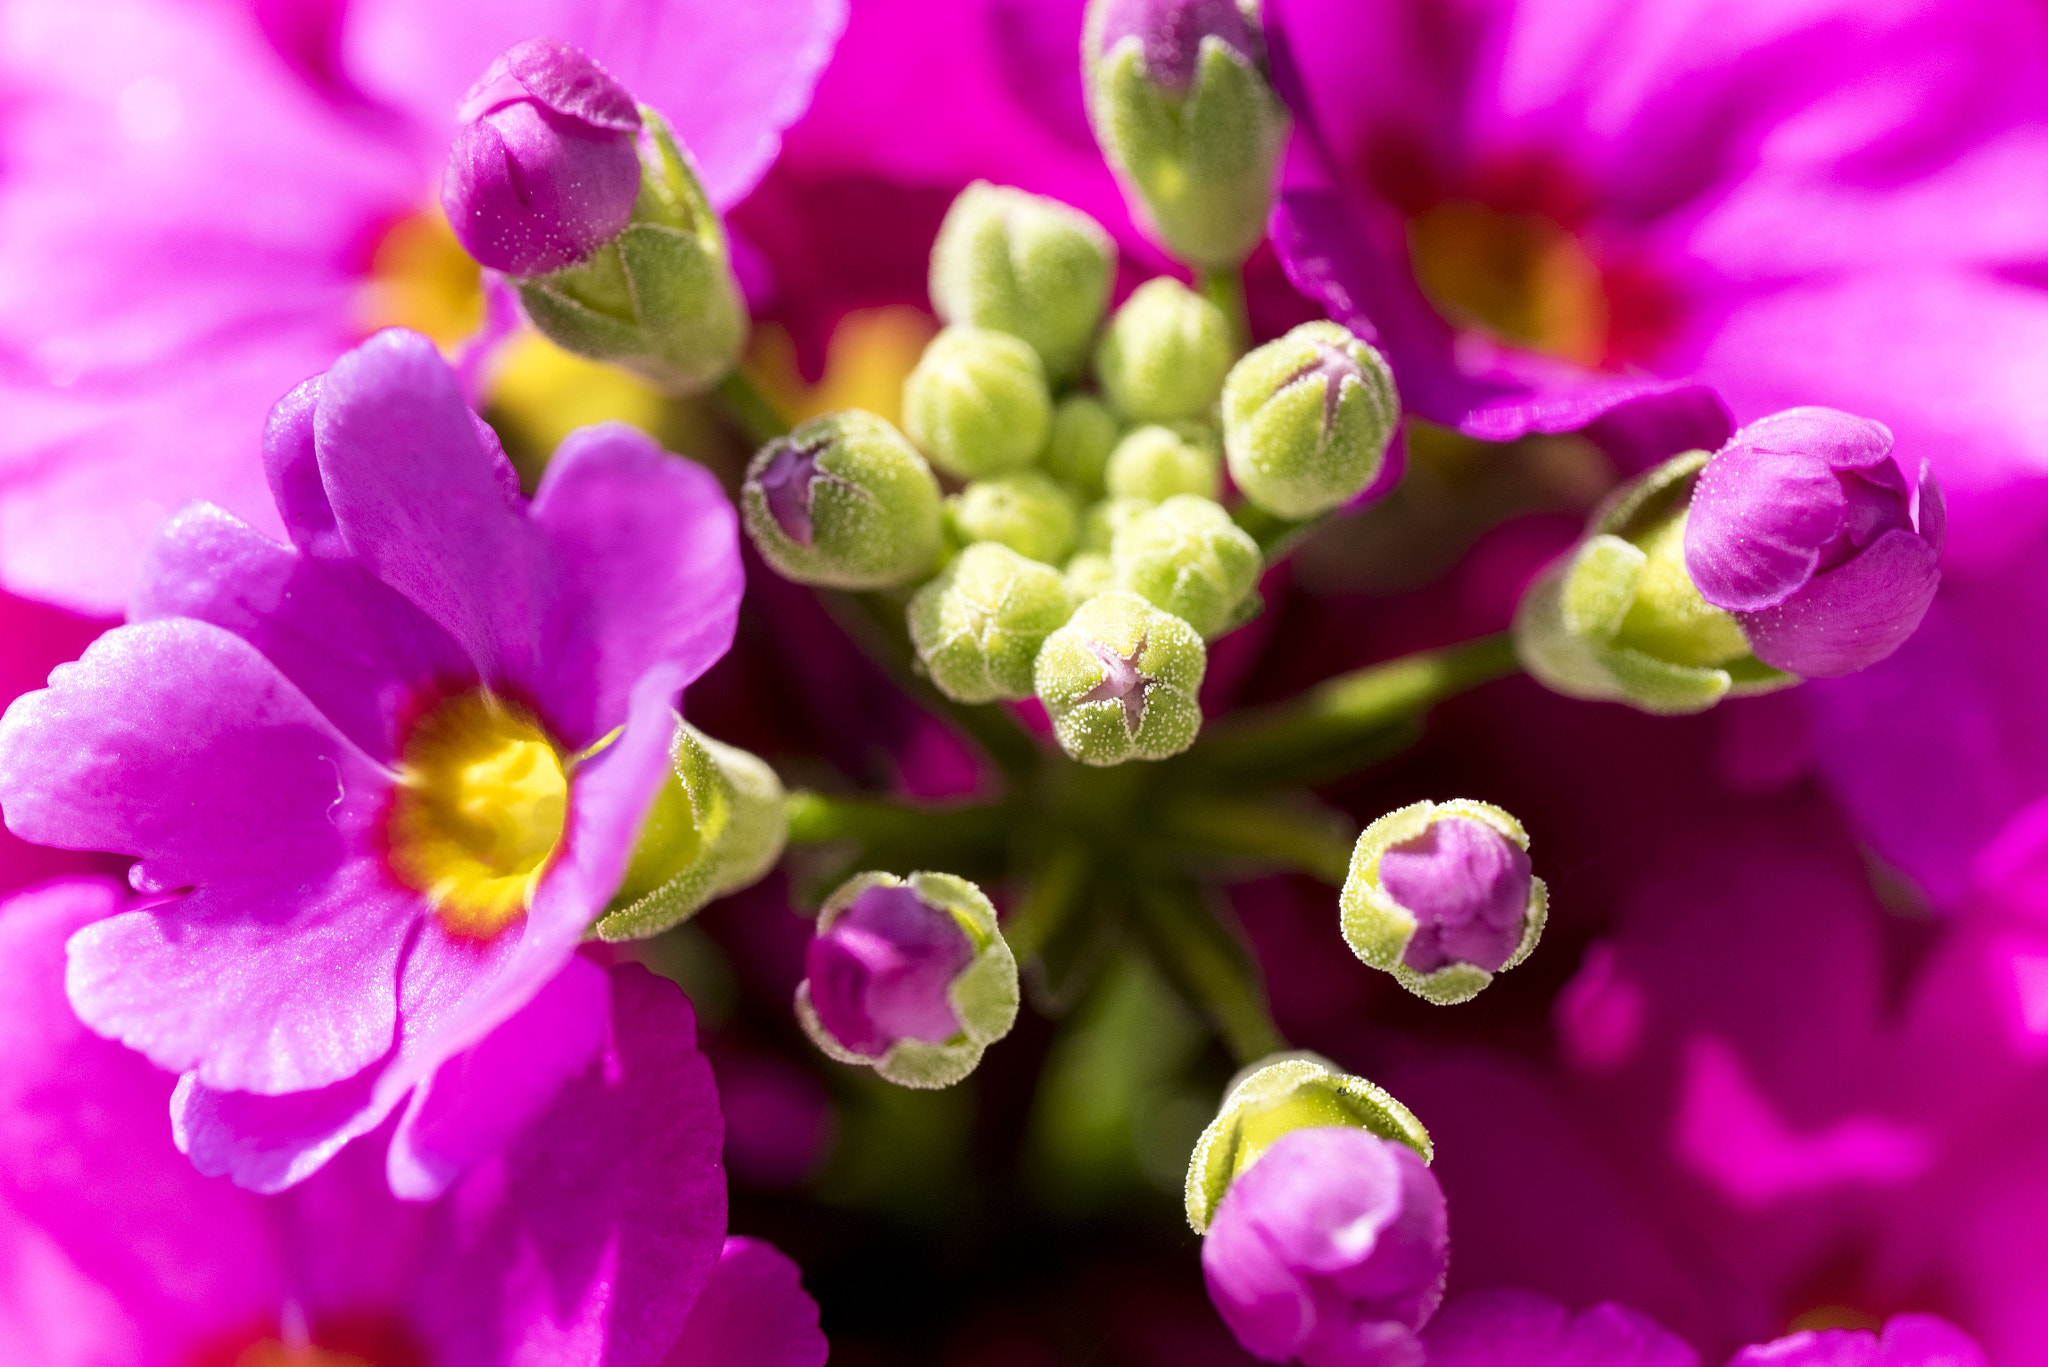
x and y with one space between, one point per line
1024 510
909 977
1276 1097
1188 558
717 825
1089 573
1184 115
1084 432
1440 895
544 168
1165 353
1120 681
1155 462
976 403
1100 521
979 624
1618 618
1307 419
843 501
1025 265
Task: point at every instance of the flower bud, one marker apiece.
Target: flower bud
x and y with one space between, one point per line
1025 265
909 977
1025 511
843 501
717 825
1186 119
544 168
1120 681
1089 573
976 402
1440 895
1334 1249
1164 354
1188 558
1307 419
1084 432
978 625
1276 1097
1154 463
660 298
1618 618
1806 528
1100 521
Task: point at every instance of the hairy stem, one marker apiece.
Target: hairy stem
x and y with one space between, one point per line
1269 830
753 412
1225 289
1205 961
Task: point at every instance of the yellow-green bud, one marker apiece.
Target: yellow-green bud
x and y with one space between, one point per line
843 501
1025 265
976 403
1155 462
1025 511
1307 419
1084 432
1090 573
978 625
1165 353
1188 558
1100 521
1120 681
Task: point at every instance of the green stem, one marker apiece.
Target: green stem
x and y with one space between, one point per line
1225 289
1201 957
1058 887
1277 536
753 412
1346 720
929 834
1314 842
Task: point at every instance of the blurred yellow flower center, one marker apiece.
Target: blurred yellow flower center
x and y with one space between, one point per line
481 802
420 278
1521 277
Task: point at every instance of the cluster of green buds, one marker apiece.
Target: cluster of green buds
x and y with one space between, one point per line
1055 498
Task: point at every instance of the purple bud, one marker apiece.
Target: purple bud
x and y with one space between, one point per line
786 487
1805 527
1122 682
881 972
1170 34
545 168
1467 886
1331 1248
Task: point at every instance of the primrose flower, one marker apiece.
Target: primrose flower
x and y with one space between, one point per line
379 782
204 205
596 1236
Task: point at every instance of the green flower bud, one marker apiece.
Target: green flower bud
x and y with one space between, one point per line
660 298
1025 511
1120 680
1084 432
1277 1096
1307 419
1440 895
977 403
1188 558
844 501
1154 463
716 826
954 994
1100 521
1090 573
1025 265
979 624
1165 353
1192 130
1619 619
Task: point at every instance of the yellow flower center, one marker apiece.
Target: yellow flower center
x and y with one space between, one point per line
1520 277
420 278
481 802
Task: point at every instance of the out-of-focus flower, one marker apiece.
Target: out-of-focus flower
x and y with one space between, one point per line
381 781
1539 209
594 1236
204 205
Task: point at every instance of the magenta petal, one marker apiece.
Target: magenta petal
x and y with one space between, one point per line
269 1143
1504 1328
590 1236
360 653
654 548
1759 518
416 498
291 463
1907 1341
278 971
754 1311
1853 616
480 1098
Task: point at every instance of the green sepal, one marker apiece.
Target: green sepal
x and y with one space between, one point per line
1169 656
1165 353
978 625
1187 557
